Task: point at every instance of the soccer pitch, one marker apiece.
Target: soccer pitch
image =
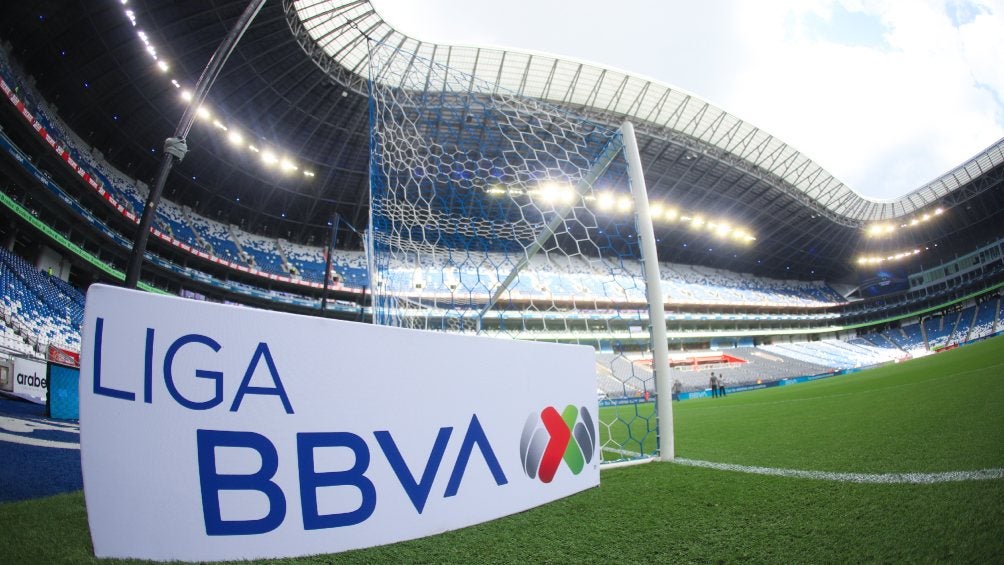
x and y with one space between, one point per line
895 464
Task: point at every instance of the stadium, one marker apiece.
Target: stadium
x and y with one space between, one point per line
343 169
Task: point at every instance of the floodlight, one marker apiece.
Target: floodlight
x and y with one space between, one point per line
186 95
203 112
163 65
268 158
547 192
624 204
235 137
555 192
605 201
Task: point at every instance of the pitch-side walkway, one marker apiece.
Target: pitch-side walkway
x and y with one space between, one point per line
38 457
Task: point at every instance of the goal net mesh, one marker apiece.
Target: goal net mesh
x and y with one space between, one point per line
502 215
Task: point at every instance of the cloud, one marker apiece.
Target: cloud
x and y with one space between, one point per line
886 95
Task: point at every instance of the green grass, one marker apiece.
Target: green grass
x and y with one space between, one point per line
938 413
935 414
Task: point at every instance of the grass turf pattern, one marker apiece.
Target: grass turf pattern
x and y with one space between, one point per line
941 413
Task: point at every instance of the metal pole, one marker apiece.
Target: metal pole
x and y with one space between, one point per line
653 289
327 262
175 147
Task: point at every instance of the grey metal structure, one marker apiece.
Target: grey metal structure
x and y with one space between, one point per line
297 80
335 34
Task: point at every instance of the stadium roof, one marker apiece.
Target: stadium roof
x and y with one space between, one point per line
297 83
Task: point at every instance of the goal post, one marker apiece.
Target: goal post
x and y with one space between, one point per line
502 215
656 298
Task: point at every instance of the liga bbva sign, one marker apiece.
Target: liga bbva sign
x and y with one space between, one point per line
210 432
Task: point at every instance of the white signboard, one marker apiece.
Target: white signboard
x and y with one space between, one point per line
210 432
29 380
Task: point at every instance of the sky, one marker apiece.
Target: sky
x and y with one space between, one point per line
885 95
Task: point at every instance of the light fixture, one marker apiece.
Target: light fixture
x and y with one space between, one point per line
605 201
186 95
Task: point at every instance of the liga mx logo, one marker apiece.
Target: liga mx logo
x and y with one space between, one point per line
550 438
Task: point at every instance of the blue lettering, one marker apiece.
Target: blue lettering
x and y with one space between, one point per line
418 492
310 480
475 436
201 373
261 352
99 330
148 368
212 483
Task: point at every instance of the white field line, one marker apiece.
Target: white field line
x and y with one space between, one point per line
866 478
625 452
871 478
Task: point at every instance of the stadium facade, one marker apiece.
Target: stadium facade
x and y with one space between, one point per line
88 105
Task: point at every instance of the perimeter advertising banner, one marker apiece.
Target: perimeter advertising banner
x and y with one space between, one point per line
210 432
29 380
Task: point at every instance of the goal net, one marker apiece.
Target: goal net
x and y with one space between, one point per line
502 215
